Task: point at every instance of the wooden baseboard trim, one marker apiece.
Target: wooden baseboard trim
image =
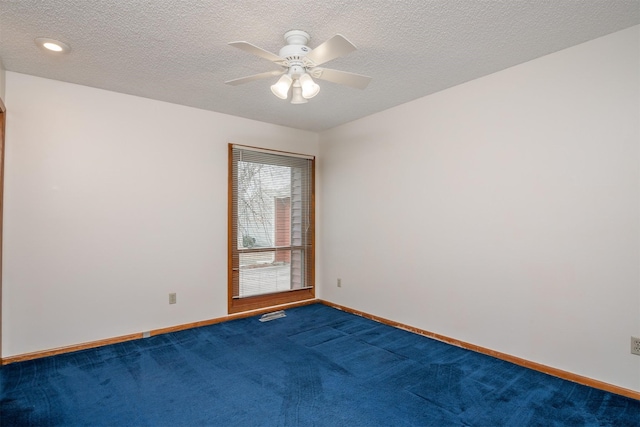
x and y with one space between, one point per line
68 349
498 355
93 344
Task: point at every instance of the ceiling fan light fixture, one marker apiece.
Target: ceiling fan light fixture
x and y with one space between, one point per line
281 88
309 87
298 62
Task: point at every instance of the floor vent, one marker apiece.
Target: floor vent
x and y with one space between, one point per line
272 316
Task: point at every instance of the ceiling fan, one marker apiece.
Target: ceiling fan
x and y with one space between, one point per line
300 65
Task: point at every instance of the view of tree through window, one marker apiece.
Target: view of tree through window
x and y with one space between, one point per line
258 186
272 223
261 189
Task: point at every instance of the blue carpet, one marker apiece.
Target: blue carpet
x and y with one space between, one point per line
316 367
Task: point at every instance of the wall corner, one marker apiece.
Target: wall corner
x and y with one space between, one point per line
2 82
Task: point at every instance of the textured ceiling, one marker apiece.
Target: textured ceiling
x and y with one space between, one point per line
177 51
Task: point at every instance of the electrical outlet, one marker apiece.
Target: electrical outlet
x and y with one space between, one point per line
635 345
172 298
339 283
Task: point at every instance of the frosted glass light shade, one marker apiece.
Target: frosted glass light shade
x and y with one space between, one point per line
309 87
296 96
281 88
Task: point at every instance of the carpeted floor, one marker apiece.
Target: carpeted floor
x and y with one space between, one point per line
316 367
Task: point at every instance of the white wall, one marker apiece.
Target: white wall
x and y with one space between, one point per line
503 212
112 202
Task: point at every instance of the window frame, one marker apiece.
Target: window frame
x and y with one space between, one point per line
238 305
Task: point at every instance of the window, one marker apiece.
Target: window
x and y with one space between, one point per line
271 228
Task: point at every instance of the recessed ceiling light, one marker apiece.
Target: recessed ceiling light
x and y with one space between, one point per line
53 45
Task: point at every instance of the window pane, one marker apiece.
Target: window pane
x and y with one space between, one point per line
261 274
271 271
259 187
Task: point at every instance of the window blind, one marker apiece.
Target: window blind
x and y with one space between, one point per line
271 222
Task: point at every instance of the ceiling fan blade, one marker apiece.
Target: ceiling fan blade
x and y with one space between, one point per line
248 79
258 51
333 48
342 77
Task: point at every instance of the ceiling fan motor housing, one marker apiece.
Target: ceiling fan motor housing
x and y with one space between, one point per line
296 47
